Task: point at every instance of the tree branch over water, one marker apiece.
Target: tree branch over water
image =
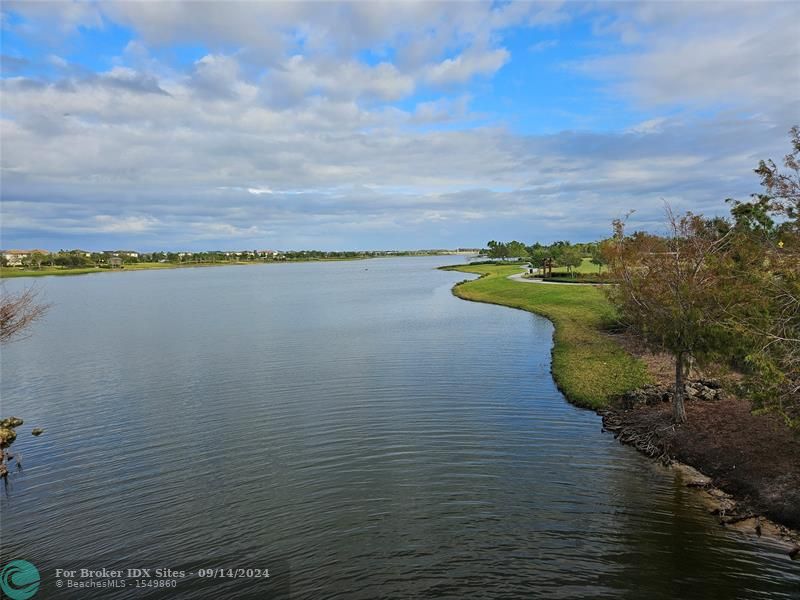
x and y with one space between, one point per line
18 312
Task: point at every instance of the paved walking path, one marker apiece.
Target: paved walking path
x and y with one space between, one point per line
521 278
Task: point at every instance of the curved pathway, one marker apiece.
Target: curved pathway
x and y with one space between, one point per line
521 278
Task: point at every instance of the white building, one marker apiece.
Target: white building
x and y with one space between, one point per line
14 258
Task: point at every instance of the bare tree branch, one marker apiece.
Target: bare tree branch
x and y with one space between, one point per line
18 312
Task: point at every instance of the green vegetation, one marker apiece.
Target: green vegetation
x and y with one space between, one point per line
722 291
588 366
560 259
586 267
713 291
9 272
80 262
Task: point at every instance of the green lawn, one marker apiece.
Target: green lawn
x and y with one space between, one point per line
587 266
9 272
588 366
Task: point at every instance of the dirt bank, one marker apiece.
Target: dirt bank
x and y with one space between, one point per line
753 458
752 461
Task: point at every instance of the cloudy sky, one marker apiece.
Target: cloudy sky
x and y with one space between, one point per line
382 125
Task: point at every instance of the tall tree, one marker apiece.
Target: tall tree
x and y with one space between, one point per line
538 256
783 187
516 249
665 291
599 253
763 304
571 258
497 250
37 258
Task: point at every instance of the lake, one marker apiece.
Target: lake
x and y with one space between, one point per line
350 426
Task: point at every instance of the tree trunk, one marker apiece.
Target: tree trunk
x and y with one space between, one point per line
678 408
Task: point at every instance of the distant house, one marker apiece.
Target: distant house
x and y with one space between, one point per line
115 262
126 253
14 258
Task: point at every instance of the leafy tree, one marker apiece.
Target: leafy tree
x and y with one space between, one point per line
571 258
497 250
762 308
37 258
665 291
754 216
539 256
762 298
599 252
783 187
557 249
515 249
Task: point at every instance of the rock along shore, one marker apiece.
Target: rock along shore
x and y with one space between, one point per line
746 466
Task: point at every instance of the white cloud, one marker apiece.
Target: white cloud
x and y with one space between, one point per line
465 66
287 129
130 224
298 77
216 76
258 191
543 45
649 126
742 55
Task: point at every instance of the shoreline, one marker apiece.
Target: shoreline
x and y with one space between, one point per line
588 367
747 498
730 503
14 273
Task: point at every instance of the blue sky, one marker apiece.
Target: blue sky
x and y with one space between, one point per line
178 125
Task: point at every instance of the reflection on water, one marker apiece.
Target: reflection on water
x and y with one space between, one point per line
362 433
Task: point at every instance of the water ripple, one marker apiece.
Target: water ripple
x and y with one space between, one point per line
367 436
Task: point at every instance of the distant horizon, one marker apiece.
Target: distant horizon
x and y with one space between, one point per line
242 249
382 125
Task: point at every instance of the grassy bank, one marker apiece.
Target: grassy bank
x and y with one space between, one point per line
9 272
588 366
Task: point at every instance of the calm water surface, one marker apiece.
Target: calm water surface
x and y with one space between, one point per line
351 426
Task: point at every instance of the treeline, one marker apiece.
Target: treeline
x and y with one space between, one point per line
83 259
548 256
